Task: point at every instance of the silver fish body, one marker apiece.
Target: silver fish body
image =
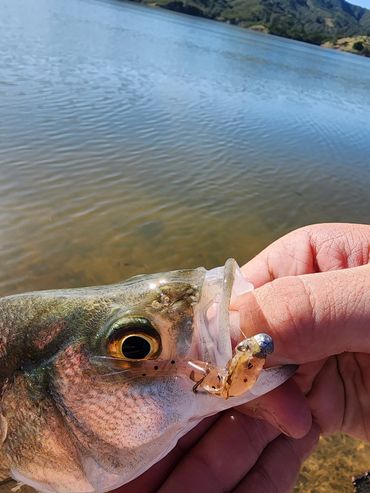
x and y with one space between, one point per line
98 384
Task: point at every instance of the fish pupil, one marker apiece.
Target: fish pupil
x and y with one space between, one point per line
135 347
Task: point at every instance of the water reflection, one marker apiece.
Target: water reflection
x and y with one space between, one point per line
136 140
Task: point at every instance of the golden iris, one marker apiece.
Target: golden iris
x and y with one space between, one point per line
133 339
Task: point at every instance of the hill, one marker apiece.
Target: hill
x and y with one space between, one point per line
314 21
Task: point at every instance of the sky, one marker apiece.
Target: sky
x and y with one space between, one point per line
363 3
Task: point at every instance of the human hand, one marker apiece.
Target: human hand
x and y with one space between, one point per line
320 322
230 452
235 453
319 317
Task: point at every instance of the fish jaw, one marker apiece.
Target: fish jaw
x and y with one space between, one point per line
191 409
216 328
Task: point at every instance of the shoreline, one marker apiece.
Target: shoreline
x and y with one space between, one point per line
356 45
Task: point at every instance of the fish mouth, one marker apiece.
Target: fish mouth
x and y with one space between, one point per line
217 329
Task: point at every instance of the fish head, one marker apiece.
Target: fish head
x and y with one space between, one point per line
98 383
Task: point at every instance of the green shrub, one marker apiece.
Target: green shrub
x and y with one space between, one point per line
358 46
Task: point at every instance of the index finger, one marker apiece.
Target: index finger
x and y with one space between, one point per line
314 248
311 317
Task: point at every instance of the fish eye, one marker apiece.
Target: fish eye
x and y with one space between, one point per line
133 339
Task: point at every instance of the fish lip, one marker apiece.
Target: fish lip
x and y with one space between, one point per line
236 334
217 329
207 346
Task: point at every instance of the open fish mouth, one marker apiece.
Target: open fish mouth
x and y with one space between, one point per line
227 362
217 328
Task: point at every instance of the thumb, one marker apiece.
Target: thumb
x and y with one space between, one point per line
311 316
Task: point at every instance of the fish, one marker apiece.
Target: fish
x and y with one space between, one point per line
98 384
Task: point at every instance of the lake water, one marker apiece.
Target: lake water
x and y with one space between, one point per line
134 139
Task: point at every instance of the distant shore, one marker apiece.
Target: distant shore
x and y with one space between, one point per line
357 45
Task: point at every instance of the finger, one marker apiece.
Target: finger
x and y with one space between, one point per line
290 255
305 375
152 479
313 316
329 410
285 407
223 456
347 407
278 467
315 248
